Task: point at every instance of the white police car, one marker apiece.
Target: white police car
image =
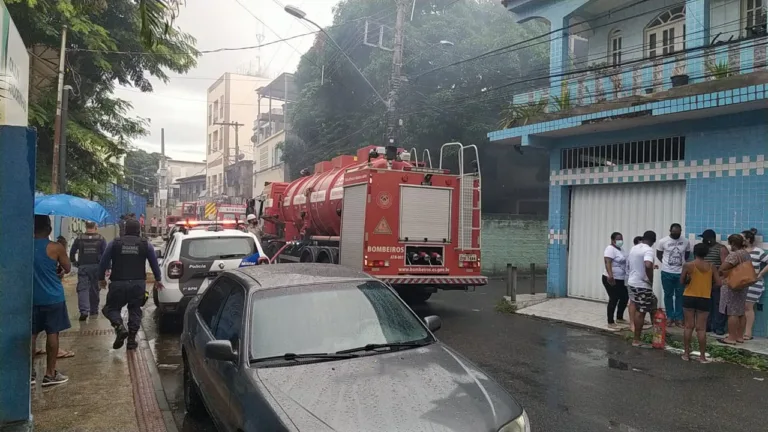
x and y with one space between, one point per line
195 253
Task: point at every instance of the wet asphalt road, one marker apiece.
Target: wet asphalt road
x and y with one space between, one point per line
568 379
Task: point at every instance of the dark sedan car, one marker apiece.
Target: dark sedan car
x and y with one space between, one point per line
317 347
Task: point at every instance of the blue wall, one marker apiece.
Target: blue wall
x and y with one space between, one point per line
17 186
119 201
724 169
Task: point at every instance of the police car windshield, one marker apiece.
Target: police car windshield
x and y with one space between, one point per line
218 247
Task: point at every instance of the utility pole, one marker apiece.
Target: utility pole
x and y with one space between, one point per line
163 180
57 121
237 152
394 87
63 145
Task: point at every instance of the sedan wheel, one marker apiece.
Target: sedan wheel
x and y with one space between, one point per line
192 400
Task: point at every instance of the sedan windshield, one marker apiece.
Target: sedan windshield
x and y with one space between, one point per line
330 318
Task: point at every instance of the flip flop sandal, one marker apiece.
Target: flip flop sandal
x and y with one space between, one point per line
704 361
65 354
722 341
685 357
746 338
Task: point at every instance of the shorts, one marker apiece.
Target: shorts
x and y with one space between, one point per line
51 319
697 303
643 298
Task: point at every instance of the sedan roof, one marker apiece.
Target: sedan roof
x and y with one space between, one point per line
293 274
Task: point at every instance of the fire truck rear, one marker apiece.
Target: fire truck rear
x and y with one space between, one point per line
411 225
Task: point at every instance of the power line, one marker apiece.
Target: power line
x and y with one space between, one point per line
607 67
502 50
209 51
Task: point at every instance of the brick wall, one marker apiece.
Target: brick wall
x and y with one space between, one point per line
516 239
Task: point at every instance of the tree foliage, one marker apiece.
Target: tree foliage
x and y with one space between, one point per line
339 113
140 169
105 47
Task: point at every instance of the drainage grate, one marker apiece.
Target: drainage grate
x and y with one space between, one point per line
103 332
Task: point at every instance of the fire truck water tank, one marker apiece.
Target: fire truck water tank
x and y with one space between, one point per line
313 203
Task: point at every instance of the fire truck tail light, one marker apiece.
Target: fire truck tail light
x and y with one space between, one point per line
469 264
376 263
175 270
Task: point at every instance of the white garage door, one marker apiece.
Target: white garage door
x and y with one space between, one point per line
631 209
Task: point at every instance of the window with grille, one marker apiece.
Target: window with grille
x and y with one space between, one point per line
666 33
264 158
753 13
634 152
614 45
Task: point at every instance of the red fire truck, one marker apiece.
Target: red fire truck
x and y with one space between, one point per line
411 225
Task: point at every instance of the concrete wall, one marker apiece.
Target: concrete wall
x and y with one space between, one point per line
516 239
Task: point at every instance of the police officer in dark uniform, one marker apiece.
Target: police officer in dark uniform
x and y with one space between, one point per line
89 247
128 256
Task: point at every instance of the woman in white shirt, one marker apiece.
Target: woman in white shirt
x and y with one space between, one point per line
614 276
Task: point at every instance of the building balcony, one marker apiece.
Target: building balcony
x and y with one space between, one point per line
600 84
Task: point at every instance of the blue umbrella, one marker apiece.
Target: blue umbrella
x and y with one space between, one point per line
70 206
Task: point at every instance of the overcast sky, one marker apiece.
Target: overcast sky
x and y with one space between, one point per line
180 105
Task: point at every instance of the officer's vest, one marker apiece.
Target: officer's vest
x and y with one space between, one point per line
129 255
89 251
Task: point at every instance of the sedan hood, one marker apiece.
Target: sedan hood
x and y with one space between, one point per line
430 388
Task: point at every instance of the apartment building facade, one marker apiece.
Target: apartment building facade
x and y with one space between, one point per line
659 119
270 130
168 175
230 102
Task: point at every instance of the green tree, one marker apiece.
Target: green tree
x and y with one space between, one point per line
105 47
341 114
140 169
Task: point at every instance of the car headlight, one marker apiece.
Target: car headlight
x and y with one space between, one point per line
520 424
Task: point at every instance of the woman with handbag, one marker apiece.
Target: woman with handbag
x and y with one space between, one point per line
739 274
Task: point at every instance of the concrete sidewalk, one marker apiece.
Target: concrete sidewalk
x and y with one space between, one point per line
108 390
593 314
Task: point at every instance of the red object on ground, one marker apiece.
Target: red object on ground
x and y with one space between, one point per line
659 329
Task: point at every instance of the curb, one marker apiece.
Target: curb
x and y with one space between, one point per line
148 400
157 385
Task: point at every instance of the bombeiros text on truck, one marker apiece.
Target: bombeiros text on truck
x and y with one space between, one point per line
412 225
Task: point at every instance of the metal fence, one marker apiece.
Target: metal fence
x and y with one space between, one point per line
118 201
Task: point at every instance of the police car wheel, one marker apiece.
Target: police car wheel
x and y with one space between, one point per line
193 403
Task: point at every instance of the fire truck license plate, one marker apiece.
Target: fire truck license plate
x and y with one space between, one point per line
467 257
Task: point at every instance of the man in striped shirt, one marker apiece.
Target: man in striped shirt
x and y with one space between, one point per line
755 291
716 255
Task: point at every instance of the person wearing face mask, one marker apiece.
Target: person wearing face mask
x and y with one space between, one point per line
716 256
673 251
614 275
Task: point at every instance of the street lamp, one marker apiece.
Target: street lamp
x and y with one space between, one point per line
300 14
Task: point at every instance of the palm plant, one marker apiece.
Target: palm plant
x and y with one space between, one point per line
718 70
157 18
520 114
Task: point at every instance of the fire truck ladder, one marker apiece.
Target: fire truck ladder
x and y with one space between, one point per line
467 190
425 156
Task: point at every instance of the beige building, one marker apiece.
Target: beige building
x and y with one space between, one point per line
269 132
231 101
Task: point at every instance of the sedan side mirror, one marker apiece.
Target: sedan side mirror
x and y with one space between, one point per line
220 350
433 323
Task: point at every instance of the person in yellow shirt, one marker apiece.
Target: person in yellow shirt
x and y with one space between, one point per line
698 277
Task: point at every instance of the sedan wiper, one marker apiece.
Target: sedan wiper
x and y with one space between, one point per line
371 347
294 356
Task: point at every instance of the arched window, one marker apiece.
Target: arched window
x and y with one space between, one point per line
614 47
666 33
753 15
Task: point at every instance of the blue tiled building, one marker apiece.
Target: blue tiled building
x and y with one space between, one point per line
656 112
